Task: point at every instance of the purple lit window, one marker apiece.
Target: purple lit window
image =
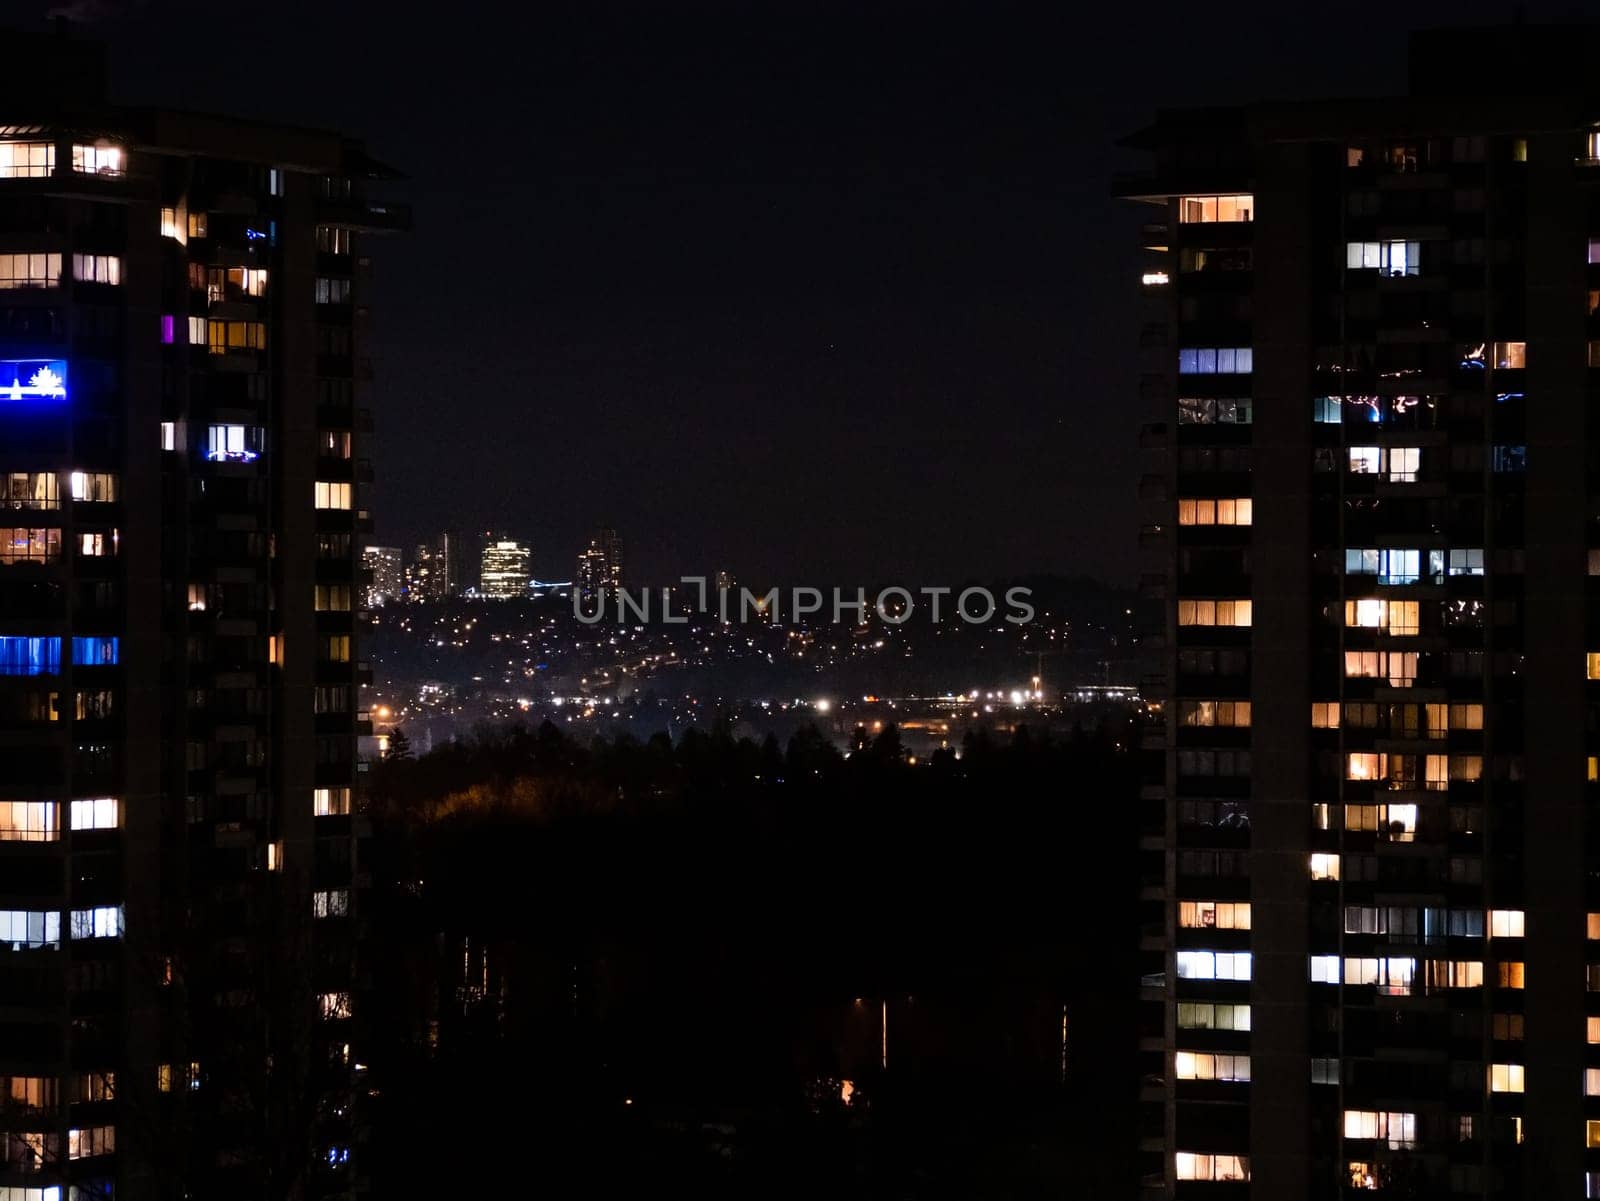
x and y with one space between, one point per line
169 325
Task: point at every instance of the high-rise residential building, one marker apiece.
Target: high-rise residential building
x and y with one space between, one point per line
1373 331
182 417
599 563
386 574
448 553
421 576
505 572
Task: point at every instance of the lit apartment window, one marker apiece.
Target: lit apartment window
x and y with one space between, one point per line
30 271
1509 974
95 651
1593 1030
1197 1165
1210 410
333 239
28 490
335 1005
97 268
1204 210
103 921
1397 822
225 336
174 435
1213 612
93 487
1400 618
1216 360
23 929
1208 1065
1399 1130
330 902
1324 969
1213 965
234 443
1398 667
1505 1077
1234 714
197 331
88 1141
1212 1015
334 444
97 813
332 495
330 802
332 290
29 821
1462 973
29 656
27 160
1324 715
1215 512
175 225
27 544
1387 258
99 159
1324 866
1155 279
332 598
1466 716
98 544
1509 354
1219 915
335 648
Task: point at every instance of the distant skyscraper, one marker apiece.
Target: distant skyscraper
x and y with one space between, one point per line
434 573
505 569
600 563
419 573
448 551
387 567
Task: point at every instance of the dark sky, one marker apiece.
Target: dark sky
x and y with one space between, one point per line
809 292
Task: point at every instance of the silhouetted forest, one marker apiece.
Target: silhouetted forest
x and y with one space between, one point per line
753 970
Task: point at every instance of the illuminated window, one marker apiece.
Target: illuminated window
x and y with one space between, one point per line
30 270
336 648
1194 1165
28 490
1387 258
235 443
99 159
1509 354
1214 1015
1215 512
333 239
335 1005
1506 923
1324 866
1592 660
94 487
334 444
1466 716
1466 561
332 291
330 802
23 544
1220 915
1324 715
1399 668
29 821
225 336
95 651
98 544
1400 618
197 331
1213 965
1399 1130
1216 360
332 495
1214 612
1398 823
330 902
175 225
103 921
27 160
23 929
1204 210
1592 1030
332 598
88 1141
1505 1077
97 268
28 656
99 813
1235 714
1208 1065
231 283
1509 974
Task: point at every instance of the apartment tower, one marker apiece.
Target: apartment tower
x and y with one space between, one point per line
1372 334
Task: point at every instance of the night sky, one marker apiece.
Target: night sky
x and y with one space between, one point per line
807 292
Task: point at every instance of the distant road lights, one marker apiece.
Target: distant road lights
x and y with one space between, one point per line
822 706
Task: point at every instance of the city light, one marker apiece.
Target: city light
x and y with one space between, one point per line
40 379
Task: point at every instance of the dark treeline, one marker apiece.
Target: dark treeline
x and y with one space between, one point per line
655 964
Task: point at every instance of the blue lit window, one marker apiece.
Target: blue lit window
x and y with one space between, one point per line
103 921
29 656
33 379
1327 410
94 652
1216 360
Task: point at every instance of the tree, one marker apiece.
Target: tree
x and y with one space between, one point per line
399 745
